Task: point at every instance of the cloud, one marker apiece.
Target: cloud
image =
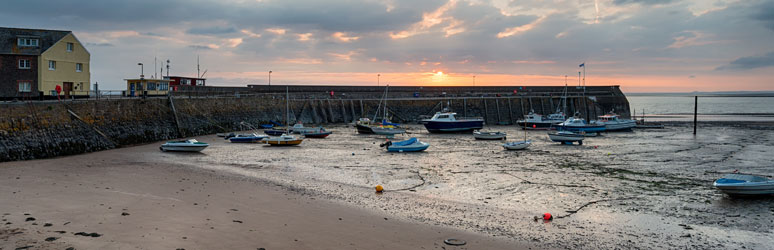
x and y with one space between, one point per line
750 62
765 14
100 44
202 47
643 2
211 30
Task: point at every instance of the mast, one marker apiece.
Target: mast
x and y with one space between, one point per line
287 110
384 117
564 96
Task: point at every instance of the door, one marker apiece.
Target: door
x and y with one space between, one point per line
68 87
131 89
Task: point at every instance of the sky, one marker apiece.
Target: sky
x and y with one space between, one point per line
641 45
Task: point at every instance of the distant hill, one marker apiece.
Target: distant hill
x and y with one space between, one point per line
718 93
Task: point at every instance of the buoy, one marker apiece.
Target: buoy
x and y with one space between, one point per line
547 216
595 147
379 188
534 126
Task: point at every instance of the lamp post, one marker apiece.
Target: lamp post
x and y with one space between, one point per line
142 73
377 79
269 77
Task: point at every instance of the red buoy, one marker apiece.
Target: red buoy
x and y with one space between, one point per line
547 216
534 126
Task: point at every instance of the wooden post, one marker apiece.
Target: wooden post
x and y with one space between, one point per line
486 111
497 106
695 111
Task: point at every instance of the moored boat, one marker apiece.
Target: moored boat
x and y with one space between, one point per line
387 130
537 121
283 140
516 145
318 133
744 184
566 137
363 126
274 132
613 122
411 145
247 138
489 135
191 145
447 122
299 128
576 124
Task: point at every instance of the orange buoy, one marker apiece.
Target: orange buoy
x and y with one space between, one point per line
379 188
547 216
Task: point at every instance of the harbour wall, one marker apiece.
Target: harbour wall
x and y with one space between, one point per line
34 130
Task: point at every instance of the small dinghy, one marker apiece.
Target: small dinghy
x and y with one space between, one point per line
489 135
191 145
517 145
566 137
410 145
247 138
744 184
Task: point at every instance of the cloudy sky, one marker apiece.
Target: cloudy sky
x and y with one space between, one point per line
642 45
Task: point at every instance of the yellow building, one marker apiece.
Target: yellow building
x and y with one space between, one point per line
65 63
147 87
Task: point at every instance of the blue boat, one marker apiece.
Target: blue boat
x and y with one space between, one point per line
247 138
576 124
271 125
410 145
274 132
447 122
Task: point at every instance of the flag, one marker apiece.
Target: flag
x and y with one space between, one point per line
582 65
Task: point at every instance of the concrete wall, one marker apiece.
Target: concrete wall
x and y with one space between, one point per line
65 67
31 130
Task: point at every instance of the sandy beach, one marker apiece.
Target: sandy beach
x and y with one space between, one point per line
642 189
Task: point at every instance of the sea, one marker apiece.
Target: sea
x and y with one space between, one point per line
710 108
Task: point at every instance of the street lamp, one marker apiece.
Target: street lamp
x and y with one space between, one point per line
377 79
269 77
142 73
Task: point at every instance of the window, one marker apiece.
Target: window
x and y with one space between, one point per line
25 87
51 65
185 81
199 82
27 42
163 86
151 85
69 47
24 64
79 67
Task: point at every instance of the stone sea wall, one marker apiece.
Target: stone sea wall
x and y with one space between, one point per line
34 130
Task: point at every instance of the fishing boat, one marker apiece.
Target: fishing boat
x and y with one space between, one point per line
517 145
537 121
577 124
744 184
566 137
363 126
446 122
191 145
299 128
489 135
247 138
613 122
410 145
317 133
285 139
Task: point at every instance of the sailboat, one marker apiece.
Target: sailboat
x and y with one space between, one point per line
517 145
285 139
385 127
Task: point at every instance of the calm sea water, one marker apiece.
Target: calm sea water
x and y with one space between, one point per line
710 108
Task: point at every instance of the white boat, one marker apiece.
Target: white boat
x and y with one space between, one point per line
743 184
566 137
299 128
283 140
516 145
387 130
191 145
537 121
489 135
613 122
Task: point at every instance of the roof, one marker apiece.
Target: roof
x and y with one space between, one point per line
147 80
8 43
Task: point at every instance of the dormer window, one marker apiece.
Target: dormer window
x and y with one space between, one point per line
27 42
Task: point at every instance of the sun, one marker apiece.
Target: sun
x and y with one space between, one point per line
439 73
439 76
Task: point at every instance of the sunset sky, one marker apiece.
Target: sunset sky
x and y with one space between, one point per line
642 45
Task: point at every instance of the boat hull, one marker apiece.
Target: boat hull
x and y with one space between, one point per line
274 132
489 136
566 138
453 126
538 125
620 126
317 135
587 129
283 142
746 188
411 148
388 131
245 139
363 129
517 145
182 148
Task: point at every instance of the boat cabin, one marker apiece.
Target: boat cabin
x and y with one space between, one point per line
573 121
607 117
444 116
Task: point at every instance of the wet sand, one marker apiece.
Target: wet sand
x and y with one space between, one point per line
121 199
642 189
